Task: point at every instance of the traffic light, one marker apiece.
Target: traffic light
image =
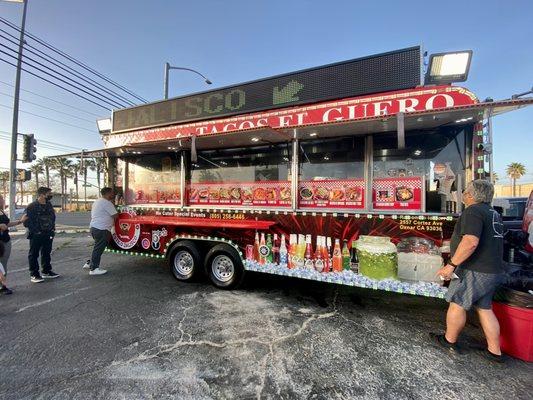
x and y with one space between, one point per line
29 148
23 175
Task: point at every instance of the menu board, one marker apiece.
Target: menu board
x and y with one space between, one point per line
263 193
339 193
162 194
403 193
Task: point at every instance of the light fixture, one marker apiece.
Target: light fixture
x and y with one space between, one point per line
463 120
313 134
104 125
326 158
448 67
255 139
285 158
417 152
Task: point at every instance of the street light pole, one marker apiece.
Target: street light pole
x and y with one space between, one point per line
168 67
14 131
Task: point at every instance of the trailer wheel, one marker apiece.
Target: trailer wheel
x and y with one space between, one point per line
184 261
224 267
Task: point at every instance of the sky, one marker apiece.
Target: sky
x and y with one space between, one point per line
237 41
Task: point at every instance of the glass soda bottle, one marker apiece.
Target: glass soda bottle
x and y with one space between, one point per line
354 260
275 249
325 255
256 247
269 257
301 246
345 256
319 262
283 253
292 250
337 256
263 250
308 256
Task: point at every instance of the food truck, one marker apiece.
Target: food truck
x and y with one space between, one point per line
349 173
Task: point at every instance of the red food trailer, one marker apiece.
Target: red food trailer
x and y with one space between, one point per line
285 175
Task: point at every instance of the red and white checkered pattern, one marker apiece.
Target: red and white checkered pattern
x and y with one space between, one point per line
392 183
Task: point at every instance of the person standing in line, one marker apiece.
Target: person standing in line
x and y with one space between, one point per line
475 269
103 215
41 224
5 240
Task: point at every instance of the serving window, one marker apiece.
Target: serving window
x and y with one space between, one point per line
250 176
426 175
332 173
154 179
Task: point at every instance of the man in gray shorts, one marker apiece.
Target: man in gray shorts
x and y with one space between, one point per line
475 268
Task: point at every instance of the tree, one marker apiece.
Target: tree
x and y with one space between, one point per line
4 179
63 168
495 178
515 171
74 171
88 164
100 168
36 169
48 164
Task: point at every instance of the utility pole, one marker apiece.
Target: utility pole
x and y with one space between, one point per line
14 131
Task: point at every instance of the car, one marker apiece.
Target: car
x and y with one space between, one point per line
19 211
512 210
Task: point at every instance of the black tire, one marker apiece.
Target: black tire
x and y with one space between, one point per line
224 267
184 261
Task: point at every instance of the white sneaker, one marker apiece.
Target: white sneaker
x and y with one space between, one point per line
97 271
87 264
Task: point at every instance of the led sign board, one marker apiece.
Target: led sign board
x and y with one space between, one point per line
384 72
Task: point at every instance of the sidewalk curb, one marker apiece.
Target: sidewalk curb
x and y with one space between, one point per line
74 230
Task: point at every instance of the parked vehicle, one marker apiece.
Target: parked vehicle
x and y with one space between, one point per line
512 210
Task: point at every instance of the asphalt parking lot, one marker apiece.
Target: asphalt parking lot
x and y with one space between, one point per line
136 333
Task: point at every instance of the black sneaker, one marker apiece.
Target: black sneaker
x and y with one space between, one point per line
5 290
442 342
50 275
493 357
36 279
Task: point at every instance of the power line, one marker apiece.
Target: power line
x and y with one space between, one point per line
43 146
49 71
66 68
41 142
72 59
50 119
8 135
49 108
56 101
56 84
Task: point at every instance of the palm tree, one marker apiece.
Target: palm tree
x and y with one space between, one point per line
88 164
48 164
74 171
4 178
36 169
515 171
100 167
63 167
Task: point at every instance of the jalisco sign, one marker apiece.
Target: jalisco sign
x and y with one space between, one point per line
395 70
357 108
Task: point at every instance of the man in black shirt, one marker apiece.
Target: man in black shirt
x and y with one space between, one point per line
475 268
41 225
